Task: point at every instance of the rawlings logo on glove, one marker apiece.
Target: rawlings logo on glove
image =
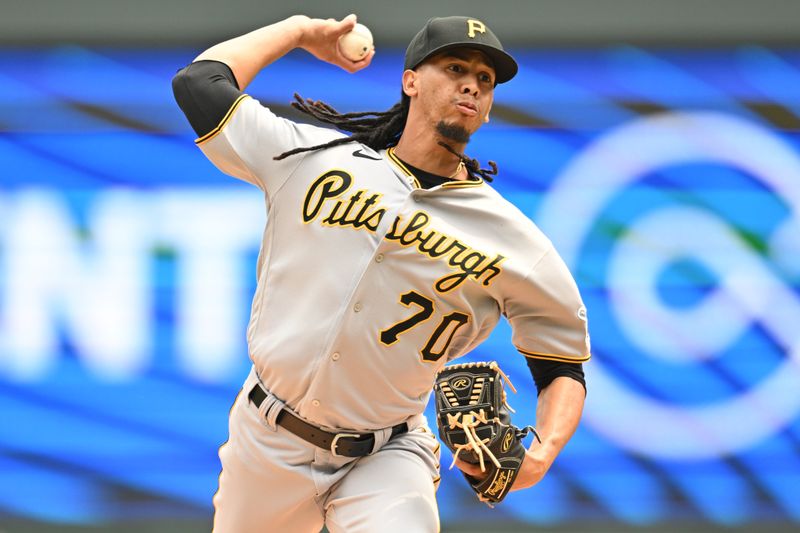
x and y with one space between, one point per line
474 423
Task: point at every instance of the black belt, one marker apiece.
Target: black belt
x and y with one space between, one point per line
346 444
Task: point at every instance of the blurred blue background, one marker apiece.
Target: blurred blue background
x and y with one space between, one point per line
668 178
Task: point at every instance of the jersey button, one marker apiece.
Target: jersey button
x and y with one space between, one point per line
315 403
335 356
379 258
358 307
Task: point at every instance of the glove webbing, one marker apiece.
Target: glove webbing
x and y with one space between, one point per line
471 420
468 423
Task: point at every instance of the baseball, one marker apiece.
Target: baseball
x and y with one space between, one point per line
356 44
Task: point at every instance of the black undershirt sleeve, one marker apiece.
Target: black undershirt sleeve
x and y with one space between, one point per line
205 91
544 372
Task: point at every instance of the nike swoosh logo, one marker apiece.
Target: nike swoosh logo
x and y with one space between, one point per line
359 153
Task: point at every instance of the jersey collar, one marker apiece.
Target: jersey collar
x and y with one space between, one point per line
454 184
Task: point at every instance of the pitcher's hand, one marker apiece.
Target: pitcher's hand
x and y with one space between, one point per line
320 38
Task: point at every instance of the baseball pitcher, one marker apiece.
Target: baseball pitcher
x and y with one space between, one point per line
386 255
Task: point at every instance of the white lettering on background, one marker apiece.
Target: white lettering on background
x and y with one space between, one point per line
88 280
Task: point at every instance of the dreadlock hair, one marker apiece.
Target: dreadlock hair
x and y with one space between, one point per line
376 129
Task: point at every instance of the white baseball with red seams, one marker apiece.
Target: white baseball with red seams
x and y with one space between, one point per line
356 44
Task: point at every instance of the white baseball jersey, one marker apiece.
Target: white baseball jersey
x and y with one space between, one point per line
367 284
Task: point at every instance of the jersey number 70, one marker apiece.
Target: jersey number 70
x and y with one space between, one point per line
434 349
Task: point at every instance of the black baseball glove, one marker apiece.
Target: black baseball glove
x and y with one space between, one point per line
474 422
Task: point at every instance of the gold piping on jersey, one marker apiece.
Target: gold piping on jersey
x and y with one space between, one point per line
213 133
399 163
455 184
555 357
458 184
403 167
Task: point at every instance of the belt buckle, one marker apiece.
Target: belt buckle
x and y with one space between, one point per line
335 442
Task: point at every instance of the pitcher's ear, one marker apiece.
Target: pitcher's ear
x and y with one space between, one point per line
410 83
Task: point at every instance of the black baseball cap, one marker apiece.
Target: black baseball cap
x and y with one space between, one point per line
443 33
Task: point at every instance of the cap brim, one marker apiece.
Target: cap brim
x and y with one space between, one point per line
505 67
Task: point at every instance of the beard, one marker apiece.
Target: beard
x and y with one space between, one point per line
453 132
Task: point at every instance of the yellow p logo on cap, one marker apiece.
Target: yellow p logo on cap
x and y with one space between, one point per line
474 26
